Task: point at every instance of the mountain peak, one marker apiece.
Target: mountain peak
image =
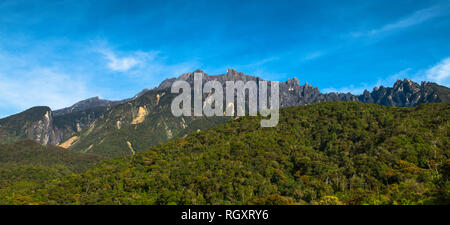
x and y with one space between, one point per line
231 71
199 71
294 81
84 104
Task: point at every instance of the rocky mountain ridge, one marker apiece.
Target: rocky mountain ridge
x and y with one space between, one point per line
404 93
85 104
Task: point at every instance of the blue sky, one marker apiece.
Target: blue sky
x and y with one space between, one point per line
55 53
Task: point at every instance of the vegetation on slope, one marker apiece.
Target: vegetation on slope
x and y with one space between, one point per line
326 153
26 164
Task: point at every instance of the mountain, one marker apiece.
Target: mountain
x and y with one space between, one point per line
147 120
134 126
291 92
35 123
114 128
94 102
53 127
407 93
39 124
403 94
324 153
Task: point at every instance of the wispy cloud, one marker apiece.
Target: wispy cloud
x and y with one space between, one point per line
41 86
440 73
416 18
121 64
126 61
151 65
313 55
42 75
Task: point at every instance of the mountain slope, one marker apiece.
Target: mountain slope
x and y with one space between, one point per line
53 127
39 124
325 153
136 125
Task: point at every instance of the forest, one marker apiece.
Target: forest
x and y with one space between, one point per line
333 153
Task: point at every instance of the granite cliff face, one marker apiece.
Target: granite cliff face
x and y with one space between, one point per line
42 125
406 93
42 130
36 123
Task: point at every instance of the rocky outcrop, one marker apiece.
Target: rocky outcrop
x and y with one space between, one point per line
36 123
406 93
44 132
41 125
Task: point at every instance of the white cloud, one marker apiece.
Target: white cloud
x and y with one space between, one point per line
440 73
416 18
40 86
43 75
313 55
123 64
149 65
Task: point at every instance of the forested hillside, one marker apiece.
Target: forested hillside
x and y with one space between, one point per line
26 164
325 153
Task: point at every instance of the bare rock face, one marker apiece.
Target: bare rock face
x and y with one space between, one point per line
44 131
40 130
41 125
406 93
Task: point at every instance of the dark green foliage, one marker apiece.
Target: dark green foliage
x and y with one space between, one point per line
28 152
326 153
26 164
